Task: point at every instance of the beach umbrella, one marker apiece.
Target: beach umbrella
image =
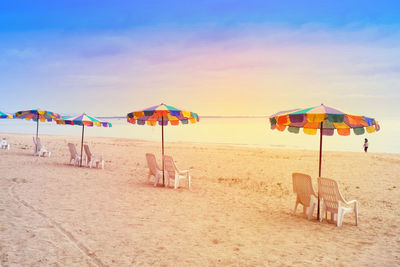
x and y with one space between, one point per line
5 115
83 120
324 118
161 115
37 115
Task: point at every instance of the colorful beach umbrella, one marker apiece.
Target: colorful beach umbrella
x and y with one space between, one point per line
162 115
83 120
5 115
324 118
37 115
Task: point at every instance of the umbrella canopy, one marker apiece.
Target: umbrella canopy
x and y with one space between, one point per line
5 115
37 115
310 120
324 118
83 120
162 114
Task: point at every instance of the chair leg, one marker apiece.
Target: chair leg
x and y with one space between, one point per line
356 212
340 215
310 209
321 211
295 207
176 182
190 181
166 181
156 179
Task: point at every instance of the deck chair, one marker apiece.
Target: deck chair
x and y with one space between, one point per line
174 173
332 201
302 186
39 149
92 159
154 170
4 144
74 154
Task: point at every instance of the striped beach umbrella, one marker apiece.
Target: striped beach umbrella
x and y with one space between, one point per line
324 118
162 115
37 115
83 120
5 115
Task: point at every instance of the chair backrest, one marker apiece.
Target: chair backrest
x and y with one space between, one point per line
169 166
302 186
4 142
328 190
72 150
87 151
152 163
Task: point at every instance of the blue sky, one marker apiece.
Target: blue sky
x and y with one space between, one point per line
78 15
216 57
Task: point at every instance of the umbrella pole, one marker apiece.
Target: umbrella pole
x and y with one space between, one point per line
83 131
320 162
162 134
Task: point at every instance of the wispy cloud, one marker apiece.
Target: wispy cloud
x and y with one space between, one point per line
250 69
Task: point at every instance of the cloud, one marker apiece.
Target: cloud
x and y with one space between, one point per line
249 69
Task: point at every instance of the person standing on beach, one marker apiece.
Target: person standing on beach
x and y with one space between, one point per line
365 145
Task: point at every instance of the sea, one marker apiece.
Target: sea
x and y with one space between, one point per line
234 131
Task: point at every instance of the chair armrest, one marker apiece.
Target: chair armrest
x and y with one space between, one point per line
182 171
350 202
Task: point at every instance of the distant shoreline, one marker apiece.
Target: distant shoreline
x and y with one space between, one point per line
201 117
231 145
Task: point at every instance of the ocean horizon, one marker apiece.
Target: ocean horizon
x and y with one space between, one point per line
249 131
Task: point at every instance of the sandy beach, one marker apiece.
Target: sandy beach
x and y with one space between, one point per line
238 212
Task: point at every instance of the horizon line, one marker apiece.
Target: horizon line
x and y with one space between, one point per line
207 117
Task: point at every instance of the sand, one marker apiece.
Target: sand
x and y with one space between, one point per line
238 211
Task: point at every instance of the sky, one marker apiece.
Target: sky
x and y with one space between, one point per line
221 58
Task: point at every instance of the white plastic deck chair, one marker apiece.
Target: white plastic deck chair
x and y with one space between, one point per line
39 149
4 144
174 173
332 201
302 186
90 158
74 154
154 170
